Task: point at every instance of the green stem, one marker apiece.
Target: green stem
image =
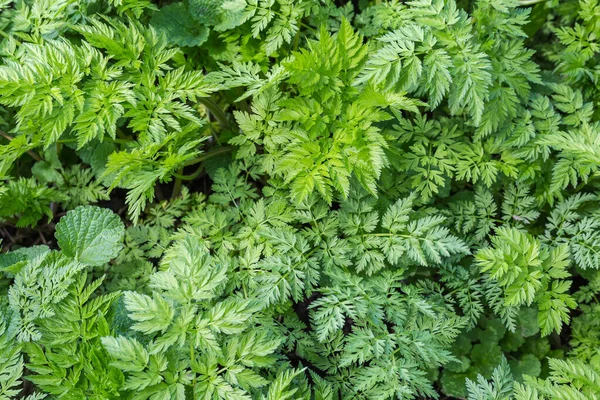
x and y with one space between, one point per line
179 177
177 186
310 28
529 2
210 154
122 141
215 110
297 40
192 176
8 36
583 183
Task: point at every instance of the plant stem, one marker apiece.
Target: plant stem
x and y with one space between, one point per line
179 177
177 186
191 176
210 154
529 2
31 153
215 110
123 141
297 40
8 36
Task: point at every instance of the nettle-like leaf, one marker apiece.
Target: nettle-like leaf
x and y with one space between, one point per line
90 235
178 24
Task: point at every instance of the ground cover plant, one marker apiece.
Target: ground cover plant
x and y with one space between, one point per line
299 199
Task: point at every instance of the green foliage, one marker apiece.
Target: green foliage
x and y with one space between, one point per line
569 379
526 273
178 25
479 351
27 201
298 199
90 235
500 388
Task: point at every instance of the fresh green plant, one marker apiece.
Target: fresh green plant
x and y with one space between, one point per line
299 199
